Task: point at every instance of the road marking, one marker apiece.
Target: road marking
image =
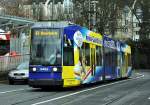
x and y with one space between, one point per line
149 98
53 99
13 91
139 76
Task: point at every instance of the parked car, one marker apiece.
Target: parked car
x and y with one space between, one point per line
21 73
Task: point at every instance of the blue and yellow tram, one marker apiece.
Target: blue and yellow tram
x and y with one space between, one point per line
70 55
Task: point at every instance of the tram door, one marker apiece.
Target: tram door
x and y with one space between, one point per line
126 63
93 58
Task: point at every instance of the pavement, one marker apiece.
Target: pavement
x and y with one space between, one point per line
132 91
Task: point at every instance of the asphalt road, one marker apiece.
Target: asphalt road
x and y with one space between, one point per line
133 91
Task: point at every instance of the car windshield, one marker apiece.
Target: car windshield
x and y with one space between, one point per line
45 47
24 65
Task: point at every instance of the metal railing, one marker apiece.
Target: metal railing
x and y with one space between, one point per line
11 62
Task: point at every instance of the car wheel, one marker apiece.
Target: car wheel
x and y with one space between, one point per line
11 82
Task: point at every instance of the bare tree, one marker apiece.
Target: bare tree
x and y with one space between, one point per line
145 25
107 13
14 7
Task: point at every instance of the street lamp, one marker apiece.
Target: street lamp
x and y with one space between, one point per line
93 2
52 9
89 13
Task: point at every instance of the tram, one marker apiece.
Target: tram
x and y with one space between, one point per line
66 55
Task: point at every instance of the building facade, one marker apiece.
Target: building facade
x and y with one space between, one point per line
128 24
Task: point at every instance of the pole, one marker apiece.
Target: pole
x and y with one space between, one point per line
133 36
94 16
52 9
89 13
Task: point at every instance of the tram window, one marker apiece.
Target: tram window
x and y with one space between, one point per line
118 59
115 57
67 42
98 56
114 60
105 56
109 57
68 56
123 58
86 53
129 60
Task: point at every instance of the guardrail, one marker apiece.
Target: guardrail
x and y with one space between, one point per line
10 62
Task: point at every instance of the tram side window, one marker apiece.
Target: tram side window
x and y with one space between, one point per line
98 56
86 53
109 57
129 60
68 55
105 57
114 60
118 59
123 58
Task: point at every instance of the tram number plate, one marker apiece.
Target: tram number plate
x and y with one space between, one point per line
69 82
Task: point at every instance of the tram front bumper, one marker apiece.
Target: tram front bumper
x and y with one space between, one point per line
45 83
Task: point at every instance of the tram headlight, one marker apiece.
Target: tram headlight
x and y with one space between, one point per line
34 69
55 69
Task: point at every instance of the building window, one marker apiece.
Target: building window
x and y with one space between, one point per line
126 30
126 22
137 32
137 24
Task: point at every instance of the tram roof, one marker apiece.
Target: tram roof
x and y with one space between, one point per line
69 29
50 24
54 24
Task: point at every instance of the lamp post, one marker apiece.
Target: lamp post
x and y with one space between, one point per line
89 13
52 10
94 14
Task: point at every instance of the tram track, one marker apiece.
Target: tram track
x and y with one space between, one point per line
32 99
126 94
72 96
86 90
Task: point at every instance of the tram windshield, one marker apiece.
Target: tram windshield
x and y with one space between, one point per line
45 47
